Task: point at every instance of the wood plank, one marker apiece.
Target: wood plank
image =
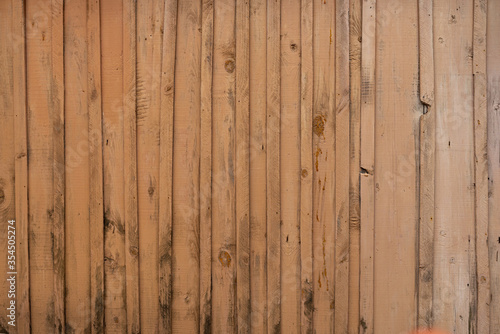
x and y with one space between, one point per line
242 172
427 165
290 166
7 160
186 171
224 257
76 147
367 166
258 152
130 192
493 92
273 100
45 86
306 163
166 165
342 151
354 161
454 267
324 166
96 212
112 67
21 165
481 167
397 113
207 40
148 66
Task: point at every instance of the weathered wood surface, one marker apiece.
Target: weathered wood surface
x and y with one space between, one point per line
254 166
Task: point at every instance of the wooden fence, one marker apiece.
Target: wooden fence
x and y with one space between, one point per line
263 166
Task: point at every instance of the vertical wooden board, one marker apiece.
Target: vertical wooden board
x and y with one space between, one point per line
21 166
77 167
306 163
367 167
273 100
95 168
115 314
46 156
354 161
397 113
130 218
324 165
186 171
290 166
454 265
342 166
7 157
148 67
258 151
481 167
242 166
224 258
207 40
427 165
166 165
493 92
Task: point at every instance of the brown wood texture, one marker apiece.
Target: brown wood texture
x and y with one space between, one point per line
253 166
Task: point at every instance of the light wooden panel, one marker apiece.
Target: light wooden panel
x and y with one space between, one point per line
255 166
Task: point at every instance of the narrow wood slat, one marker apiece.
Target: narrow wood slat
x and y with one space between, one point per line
96 205
324 156
354 161
224 257
130 173
493 92
186 170
306 163
273 214
454 300
242 172
258 152
167 93
427 165
367 166
21 166
342 150
481 166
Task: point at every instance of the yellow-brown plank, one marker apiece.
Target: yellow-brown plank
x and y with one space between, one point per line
354 161
493 91
186 170
166 165
367 166
397 113
207 39
290 166
242 166
77 167
149 61
273 100
7 162
21 166
45 85
112 75
454 300
258 149
427 165
224 257
130 167
342 166
324 165
481 167
306 163
95 168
